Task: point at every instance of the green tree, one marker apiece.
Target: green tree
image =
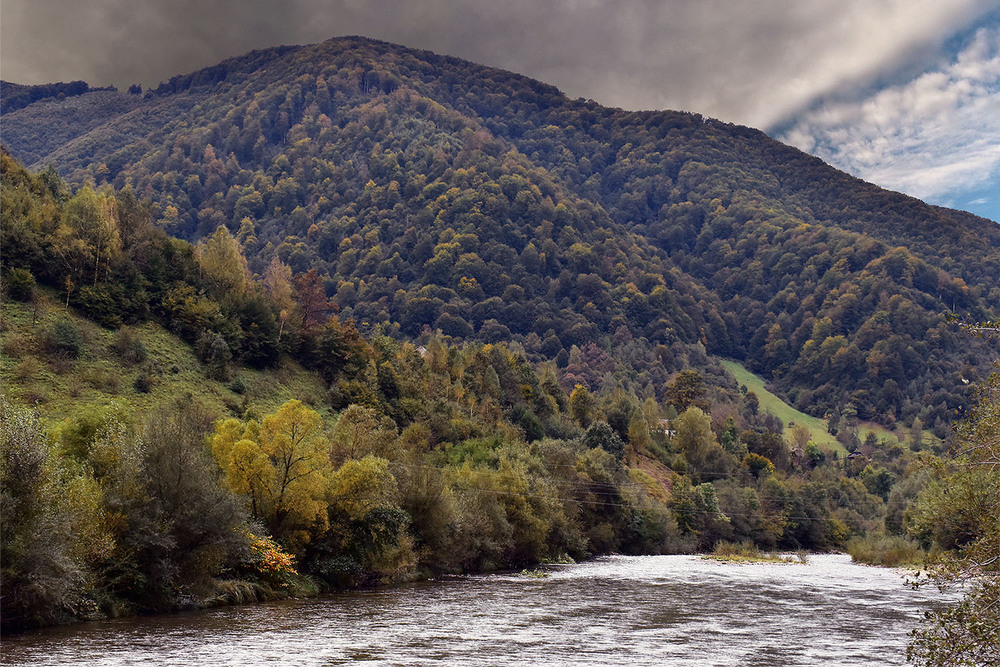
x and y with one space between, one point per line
687 390
52 527
877 480
757 464
601 435
88 234
278 285
960 513
20 285
217 357
197 518
367 526
361 431
694 436
582 405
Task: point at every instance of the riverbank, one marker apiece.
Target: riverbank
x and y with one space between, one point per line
610 611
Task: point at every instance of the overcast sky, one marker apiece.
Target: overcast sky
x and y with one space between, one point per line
904 93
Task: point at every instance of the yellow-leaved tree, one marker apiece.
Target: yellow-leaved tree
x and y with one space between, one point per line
222 263
281 465
278 285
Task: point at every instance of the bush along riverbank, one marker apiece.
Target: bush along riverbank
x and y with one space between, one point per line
166 409
115 511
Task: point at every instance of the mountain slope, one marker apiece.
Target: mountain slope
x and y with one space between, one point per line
432 193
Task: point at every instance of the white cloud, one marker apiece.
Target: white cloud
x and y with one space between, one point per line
932 137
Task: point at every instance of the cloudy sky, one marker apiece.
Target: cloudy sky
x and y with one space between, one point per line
903 93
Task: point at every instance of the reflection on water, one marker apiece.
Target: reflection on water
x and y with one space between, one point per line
652 610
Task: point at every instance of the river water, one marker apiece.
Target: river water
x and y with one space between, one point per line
647 610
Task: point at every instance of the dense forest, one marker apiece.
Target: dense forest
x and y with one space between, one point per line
14 96
434 195
349 314
441 457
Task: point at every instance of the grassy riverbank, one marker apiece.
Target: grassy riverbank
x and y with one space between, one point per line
886 551
748 552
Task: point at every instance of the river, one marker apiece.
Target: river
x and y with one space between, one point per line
647 610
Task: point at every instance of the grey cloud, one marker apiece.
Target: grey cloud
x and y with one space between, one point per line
754 63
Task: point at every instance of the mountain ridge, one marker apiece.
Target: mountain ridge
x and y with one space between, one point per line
726 239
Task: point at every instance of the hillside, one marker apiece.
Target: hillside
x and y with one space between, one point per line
163 445
415 316
432 194
17 96
139 366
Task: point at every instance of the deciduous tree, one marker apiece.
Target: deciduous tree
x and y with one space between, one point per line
281 466
222 264
960 513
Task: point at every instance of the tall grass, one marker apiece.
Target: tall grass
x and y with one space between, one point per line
241 591
747 551
885 550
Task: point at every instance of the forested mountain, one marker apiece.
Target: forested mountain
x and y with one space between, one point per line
142 472
350 313
432 194
15 96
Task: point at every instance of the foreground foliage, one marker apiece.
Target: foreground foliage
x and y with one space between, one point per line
456 459
959 512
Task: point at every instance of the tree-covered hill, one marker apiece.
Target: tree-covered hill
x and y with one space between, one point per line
17 96
160 448
432 194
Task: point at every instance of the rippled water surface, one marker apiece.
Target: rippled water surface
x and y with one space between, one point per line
653 610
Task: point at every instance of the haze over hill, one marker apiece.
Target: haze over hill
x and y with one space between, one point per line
435 194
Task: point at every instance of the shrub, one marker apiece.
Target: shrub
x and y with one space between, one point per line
65 338
129 347
27 369
20 285
758 465
215 352
51 523
103 303
144 382
746 550
17 345
600 434
102 379
885 550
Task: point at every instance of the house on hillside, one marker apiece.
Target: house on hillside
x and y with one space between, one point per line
665 426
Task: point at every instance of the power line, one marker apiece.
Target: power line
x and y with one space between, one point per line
613 491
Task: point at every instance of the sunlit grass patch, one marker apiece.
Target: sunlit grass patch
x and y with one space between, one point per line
534 574
748 552
787 414
886 550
